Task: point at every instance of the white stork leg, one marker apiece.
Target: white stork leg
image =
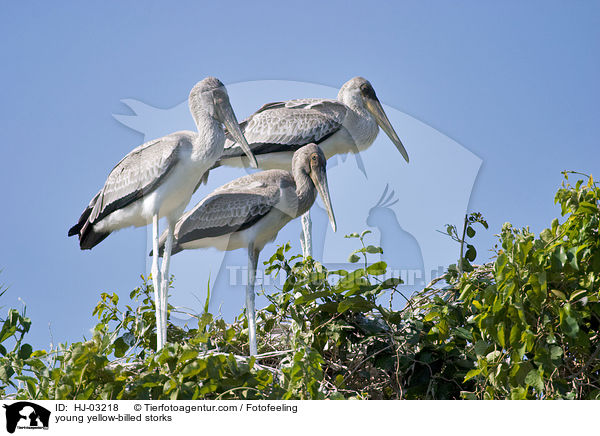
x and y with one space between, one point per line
165 279
306 235
250 311
156 282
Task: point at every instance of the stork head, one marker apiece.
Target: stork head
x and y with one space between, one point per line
210 96
358 92
311 160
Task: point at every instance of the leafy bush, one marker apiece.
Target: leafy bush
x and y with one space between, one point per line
534 317
523 326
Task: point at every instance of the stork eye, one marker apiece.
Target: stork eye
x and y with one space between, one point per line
367 90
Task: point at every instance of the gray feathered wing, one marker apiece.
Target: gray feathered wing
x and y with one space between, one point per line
135 176
288 125
231 208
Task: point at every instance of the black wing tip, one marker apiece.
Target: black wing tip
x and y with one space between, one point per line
88 238
83 219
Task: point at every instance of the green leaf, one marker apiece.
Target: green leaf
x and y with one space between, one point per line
471 253
577 294
187 355
303 299
559 294
493 356
559 258
391 282
518 393
596 262
463 333
25 351
169 386
481 348
193 368
378 268
6 372
587 208
528 338
269 324
120 347
572 257
519 371
357 304
430 316
501 262
373 250
534 379
515 335
472 373
568 323
470 232
353 258
466 291
31 383
554 225
501 335
555 352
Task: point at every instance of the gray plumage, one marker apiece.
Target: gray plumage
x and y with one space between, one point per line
253 207
233 207
159 176
134 177
157 179
288 125
140 172
347 125
249 212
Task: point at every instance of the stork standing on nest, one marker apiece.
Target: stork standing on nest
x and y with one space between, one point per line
157 179
347 125
249 212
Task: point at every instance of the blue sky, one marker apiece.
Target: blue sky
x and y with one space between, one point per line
515 83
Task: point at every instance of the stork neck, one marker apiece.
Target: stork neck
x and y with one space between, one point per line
202 118
364 128
305 190
359 108
210 137
354 102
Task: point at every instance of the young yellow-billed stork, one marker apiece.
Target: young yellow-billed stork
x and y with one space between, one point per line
249 212
157 179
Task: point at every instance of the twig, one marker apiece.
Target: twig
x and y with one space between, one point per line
367 358
240 359
587 364
237 389
272 354
462 246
